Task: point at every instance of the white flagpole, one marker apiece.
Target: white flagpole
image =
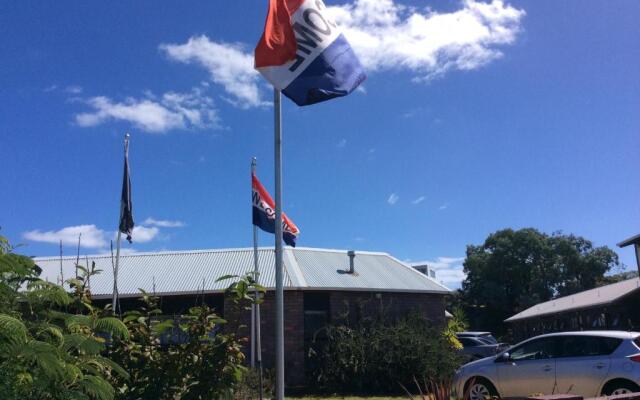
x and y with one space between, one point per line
256 344
114 299
278 247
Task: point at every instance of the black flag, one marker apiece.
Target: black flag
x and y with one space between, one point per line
126 209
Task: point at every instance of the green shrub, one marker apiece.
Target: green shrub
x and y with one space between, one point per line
377 357
200 365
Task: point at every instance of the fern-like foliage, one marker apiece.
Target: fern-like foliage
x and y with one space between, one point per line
43 293
97 388
83 344
113 326
12 330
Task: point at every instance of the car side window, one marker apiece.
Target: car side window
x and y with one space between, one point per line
588 346
537 349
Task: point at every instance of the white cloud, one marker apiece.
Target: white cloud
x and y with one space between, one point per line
73 89
443 207
387 36
393 198
163 223
92 236
172 111
144 234
228 65
418 200
449 270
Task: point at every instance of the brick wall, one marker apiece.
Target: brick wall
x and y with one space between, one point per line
239 323
342 305
351 306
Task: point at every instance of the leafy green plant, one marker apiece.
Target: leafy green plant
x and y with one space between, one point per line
47 352
377 356
57 345
189 357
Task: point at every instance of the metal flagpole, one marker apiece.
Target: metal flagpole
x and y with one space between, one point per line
114 300
256 344
278 247
255 274
115 274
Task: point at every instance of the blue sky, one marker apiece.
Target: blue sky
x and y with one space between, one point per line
476 116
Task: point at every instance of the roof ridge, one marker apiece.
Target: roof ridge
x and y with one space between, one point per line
553 302
200 251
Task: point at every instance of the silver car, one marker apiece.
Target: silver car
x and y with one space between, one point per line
588 364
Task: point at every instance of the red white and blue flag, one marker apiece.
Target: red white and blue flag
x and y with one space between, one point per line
264 214
303 54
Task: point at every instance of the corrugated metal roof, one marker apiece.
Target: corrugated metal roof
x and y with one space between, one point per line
589 298
189 271
632 240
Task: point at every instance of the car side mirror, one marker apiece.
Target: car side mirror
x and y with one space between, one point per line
504 357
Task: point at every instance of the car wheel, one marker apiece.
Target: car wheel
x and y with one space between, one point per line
620 387
479 389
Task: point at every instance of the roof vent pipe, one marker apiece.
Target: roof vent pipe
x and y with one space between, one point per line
352 255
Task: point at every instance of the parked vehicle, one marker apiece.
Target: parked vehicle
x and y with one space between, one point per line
588 364
477 345
484 336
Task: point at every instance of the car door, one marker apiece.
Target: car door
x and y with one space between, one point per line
530 368
583 364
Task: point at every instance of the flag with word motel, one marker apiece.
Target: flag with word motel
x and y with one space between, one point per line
264 214
303 53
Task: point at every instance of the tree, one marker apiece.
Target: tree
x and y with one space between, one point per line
514 270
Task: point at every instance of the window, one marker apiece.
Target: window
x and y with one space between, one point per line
588 346
316 317
538 349
489 339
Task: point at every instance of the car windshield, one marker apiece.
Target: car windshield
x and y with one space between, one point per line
489 339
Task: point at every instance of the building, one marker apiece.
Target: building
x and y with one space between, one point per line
612 306
425 269
607 307
321 286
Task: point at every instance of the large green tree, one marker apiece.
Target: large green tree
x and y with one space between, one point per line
516 269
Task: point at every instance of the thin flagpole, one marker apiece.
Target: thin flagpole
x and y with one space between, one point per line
78 254
278 245
256 344
114 300
61 271
255 270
